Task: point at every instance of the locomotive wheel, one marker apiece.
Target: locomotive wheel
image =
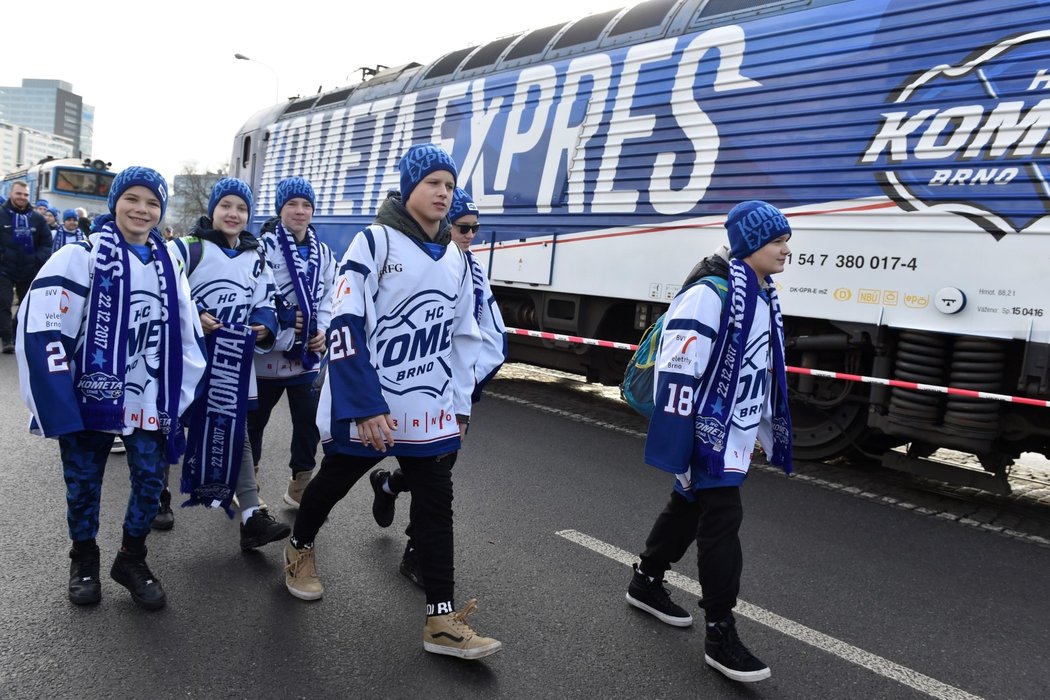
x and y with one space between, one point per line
822 433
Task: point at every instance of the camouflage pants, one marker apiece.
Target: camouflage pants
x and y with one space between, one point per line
84 456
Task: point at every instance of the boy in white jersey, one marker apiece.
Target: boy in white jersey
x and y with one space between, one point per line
303 270
720 383
232 286
69 232
400 373
110 343
386 485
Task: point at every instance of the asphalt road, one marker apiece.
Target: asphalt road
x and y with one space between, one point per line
842 597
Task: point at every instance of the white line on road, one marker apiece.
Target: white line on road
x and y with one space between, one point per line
864 659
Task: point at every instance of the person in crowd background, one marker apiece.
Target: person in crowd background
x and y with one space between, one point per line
25 244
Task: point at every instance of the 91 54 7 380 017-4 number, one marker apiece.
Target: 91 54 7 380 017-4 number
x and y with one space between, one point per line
854 262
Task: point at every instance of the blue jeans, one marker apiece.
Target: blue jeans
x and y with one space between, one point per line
84 456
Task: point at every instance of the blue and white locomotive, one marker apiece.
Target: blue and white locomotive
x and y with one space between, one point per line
905 140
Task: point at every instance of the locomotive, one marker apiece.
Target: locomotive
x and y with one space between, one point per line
906 141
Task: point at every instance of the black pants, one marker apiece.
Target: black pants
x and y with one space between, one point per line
430 481
714 521
302 404
7 298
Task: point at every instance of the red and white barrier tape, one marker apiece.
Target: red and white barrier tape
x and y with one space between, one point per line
814 372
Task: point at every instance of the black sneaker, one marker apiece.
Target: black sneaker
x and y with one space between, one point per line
382 502
410 568
262 528
85 588
131 571
724 652
165 517
9 347
648 594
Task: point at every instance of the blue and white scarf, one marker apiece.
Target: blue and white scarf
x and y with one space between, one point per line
718 386
22 232
478 278
62 237
215 446
306 278
102 362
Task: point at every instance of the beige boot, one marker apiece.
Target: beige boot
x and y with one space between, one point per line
451 635
296 485
300 573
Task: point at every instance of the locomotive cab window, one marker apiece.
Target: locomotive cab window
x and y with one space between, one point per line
91 183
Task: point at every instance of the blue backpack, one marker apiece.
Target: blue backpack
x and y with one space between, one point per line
640 376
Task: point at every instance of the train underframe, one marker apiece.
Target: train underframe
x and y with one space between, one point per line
837 418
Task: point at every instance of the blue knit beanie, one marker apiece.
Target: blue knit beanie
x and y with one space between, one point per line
54 212
229 185
753 224
70 214
462 205
292 187
42 203
139 175
421 160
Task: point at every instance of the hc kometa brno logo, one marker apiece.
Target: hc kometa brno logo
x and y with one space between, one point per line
971 139
414 340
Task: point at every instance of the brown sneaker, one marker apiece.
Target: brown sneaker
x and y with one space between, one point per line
296 486
451 635
300 575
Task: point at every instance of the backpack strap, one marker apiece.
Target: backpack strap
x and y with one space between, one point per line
194 253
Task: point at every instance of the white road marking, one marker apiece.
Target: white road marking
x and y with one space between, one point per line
876 664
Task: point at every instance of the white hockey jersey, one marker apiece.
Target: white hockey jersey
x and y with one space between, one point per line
52 321
403 341
237 289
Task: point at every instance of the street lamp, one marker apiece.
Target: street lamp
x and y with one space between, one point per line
276 80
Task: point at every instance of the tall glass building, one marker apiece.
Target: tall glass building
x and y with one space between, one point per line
49 106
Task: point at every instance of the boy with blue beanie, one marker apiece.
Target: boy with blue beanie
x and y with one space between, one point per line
111 344
400 374
720 384
69 232
463 214
303 270
233 289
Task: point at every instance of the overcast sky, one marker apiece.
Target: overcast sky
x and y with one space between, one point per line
168 91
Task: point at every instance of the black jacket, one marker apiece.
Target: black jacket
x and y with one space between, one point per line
16 263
